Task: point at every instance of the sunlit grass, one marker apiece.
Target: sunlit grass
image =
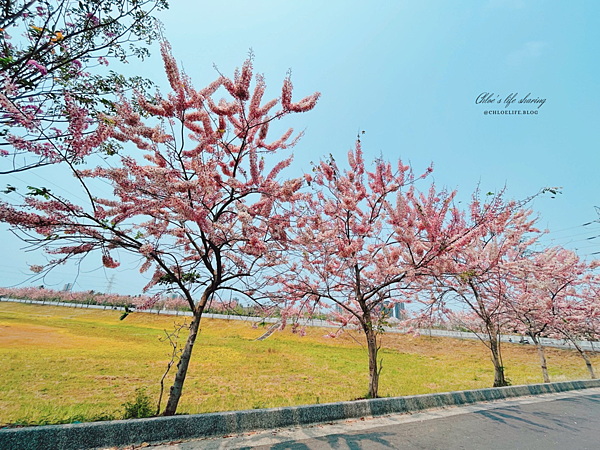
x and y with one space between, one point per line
65 364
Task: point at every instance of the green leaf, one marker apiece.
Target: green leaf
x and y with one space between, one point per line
37 191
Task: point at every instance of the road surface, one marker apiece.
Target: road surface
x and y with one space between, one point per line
554 421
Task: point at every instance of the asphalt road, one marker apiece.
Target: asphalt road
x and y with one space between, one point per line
556 421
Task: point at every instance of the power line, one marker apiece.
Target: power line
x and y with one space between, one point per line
576 240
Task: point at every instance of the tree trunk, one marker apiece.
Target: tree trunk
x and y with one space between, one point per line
540 350
182 366
494 339
493 333
499 379
373 369
588 363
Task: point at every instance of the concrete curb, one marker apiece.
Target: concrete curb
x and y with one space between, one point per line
164 429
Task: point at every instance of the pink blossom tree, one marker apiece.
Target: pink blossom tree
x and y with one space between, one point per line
364 241
576 308
544 283
478 278
53 47
202 211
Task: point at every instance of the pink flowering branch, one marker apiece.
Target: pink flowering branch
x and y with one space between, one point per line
195 199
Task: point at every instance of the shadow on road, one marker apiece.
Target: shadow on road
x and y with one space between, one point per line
357 441
538 421
590 398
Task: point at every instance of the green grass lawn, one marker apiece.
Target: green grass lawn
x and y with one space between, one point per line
64 364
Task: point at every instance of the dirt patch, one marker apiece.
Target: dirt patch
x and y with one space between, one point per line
34 335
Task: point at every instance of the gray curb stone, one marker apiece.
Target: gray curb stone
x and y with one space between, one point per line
165 429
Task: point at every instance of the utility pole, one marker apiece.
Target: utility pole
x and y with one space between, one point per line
110 284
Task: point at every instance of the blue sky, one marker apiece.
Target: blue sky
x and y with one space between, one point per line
408 74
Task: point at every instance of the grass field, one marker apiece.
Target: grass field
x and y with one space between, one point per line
62 365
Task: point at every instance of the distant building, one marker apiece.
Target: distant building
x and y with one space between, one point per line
68 287
400 311
395 310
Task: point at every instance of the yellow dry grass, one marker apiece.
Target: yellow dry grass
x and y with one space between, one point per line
65 364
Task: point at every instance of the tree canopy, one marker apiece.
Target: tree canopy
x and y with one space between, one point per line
52 48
